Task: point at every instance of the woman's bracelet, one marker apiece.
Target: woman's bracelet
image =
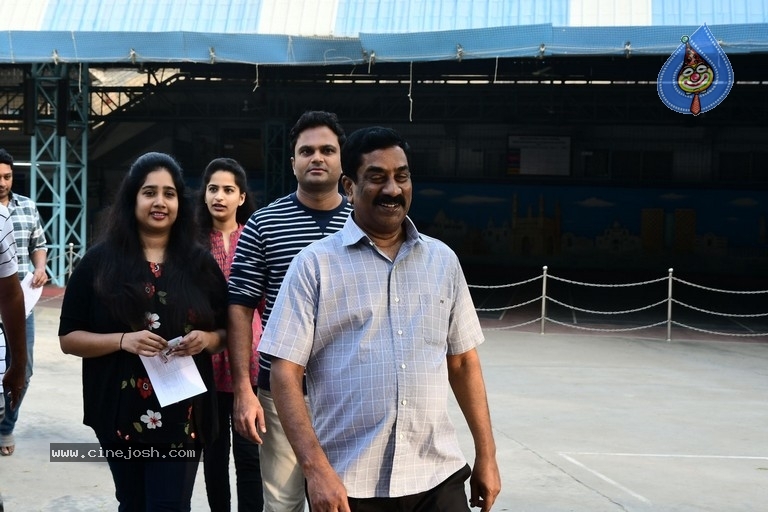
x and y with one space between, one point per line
121 341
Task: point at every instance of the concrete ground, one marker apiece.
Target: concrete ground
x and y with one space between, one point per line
583 422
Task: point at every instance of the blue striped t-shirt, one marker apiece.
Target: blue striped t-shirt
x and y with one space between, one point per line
272 237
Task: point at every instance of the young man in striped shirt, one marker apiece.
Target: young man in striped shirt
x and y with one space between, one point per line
12 331
32 253
270 240
12 328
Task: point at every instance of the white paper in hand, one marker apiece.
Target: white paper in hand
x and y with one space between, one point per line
174 379
31 295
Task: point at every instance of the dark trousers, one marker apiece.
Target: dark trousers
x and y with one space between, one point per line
449 496
153 484
250 494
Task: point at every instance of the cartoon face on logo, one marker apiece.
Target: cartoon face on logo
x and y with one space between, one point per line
696 75
688 82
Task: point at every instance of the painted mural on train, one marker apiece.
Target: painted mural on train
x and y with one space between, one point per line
598 227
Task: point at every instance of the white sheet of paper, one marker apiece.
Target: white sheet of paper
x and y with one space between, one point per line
31 295
175 380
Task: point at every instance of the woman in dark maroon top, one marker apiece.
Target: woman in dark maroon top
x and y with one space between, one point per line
224 204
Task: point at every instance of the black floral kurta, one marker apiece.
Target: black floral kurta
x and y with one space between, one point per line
119 401
140 417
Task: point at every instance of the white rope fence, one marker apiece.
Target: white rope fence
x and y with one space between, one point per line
546 299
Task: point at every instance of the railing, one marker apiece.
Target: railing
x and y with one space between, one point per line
666 301
69 257
645 314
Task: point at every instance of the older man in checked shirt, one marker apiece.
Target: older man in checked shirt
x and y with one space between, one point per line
381 318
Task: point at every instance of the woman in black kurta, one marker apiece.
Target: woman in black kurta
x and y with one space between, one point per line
146 282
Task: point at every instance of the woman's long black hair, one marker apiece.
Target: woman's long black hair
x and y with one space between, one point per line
122 272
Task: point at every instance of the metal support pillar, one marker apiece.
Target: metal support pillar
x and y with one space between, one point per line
276 161
58 156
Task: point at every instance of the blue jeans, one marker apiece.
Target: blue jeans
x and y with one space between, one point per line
12 415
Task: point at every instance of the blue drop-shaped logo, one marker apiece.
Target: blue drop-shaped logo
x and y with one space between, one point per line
697 76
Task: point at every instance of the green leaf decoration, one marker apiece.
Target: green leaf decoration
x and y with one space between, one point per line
138 427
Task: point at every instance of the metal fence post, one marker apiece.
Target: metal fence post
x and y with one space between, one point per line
70 258
669 307
543 298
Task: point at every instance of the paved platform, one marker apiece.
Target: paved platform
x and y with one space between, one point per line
583 422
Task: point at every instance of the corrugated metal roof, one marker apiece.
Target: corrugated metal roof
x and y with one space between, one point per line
392 16
348 18
218 16
298 17
711 12
263 31
608 13
22 14
522 41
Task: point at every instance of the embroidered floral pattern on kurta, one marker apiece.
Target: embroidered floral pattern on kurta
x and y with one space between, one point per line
141 418
222 373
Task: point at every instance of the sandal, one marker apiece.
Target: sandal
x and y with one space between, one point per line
7 445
